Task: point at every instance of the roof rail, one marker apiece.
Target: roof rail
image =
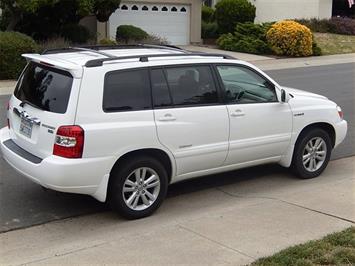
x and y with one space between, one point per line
145 58
75 49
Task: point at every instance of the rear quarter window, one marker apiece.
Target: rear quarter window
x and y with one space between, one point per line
127 91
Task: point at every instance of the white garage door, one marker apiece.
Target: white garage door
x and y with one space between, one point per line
168 21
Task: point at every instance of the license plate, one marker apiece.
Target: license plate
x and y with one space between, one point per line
26 128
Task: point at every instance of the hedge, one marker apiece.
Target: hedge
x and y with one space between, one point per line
12 45
128 33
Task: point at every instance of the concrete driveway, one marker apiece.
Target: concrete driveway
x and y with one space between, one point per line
236 218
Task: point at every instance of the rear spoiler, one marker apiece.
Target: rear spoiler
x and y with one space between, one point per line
74 69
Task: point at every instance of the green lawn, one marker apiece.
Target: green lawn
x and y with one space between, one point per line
334 249
335 43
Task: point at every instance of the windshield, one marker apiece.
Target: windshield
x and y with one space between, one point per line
44 87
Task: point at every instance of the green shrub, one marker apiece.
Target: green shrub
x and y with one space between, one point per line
154 39
290 38
247 38
209 30
12 45
257 31
246 44
107 42
128 33
207 14
75 33
316 50
229 12
226 41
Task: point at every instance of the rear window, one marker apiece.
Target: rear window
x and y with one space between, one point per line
45 87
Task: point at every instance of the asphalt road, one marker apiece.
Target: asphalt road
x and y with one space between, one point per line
23 203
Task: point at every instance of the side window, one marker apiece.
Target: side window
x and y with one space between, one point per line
243 85
127 91
160 89
192 85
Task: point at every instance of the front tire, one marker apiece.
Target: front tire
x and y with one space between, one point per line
138 187
312 153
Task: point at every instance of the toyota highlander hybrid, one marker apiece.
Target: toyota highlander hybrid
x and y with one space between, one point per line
121 123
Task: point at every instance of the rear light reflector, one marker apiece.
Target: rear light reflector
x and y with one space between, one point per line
69 142
8 120
340 112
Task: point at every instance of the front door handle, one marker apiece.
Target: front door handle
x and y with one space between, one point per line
237 113
167 117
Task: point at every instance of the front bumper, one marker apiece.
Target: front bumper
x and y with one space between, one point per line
83 176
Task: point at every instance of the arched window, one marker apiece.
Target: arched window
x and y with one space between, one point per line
124 7
154 8
183 9
134 7
145 8
174 9
164 8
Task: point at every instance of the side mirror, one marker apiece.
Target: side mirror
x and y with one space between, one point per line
285 97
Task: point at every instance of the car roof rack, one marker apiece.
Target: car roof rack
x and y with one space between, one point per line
145 58
97 48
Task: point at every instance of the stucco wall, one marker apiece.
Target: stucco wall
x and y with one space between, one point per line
274 10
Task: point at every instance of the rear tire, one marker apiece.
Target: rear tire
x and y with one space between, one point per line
138 187
312 153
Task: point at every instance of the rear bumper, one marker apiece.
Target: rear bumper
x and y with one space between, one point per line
83 176
341 129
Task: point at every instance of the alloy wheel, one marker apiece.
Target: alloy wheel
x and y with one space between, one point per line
141 188
314 154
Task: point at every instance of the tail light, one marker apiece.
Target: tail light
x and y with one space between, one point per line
340 112
69 142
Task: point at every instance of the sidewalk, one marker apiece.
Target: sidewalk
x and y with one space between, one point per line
248 216
7 86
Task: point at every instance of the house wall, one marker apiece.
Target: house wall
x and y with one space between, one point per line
195 19
274 10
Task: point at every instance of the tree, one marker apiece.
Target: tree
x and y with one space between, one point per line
64 11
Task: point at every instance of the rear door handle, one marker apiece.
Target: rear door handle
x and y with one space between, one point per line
237 113
167 117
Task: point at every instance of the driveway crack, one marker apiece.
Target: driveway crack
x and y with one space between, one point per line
216 242
286 202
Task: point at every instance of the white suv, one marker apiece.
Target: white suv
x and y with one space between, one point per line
122 123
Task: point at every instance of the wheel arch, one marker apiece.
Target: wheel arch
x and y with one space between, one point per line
322 125
287 158
161 155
